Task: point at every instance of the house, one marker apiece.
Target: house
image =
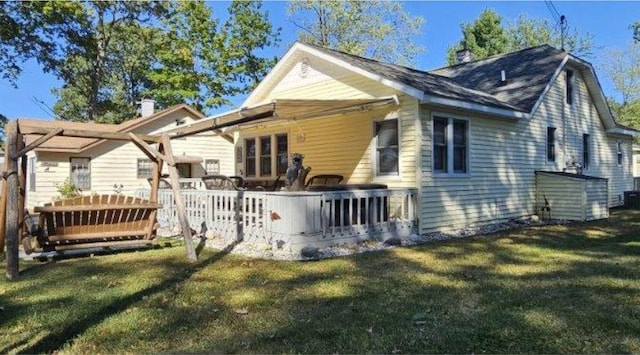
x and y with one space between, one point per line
106 167
481 141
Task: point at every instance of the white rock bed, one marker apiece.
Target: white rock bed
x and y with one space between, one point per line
265 251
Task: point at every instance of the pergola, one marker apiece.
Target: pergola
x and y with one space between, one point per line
13 197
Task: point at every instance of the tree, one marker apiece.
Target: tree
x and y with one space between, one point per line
487 36
376 29
484 37
623 67
3 122
202 62
636 31
529 32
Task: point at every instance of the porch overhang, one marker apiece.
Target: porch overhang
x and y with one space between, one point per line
281 109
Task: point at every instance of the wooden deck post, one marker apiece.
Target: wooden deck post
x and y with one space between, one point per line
177 194
22 182
12 221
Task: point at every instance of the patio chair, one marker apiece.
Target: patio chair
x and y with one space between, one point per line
222 182
271 187
164 182
324 179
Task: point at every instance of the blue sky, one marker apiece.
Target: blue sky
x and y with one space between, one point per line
608 21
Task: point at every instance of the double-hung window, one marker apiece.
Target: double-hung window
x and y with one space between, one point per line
212 166
586 151
569 84
282 152
450 145
387 147
551 144
265 156
32 174
144 169
80 173
619 152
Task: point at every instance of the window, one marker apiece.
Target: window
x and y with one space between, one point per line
585 151
619 149
265 156
81 173
282 154
440 145
32 174
250 157
569 87
184 170
450 139
551 144
262 154
212 166
144 169
387 147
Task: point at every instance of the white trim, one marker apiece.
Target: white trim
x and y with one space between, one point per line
470 106
374 148
450 148
623 131
549 85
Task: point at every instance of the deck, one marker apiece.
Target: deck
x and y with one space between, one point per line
294 220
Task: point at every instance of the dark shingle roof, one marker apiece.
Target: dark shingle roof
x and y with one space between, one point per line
528 72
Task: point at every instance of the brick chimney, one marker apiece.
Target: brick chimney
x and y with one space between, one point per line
147 107
464 56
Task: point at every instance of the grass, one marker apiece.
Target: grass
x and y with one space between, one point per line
553 289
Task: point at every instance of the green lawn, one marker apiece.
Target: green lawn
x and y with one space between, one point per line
553 289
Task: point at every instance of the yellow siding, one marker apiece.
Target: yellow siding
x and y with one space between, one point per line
342 144
339 144
115 162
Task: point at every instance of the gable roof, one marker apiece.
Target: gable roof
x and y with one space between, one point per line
424 81
77 145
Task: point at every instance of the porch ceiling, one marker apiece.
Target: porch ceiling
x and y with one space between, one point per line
285 109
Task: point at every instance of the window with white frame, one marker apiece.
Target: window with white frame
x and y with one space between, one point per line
586 151
569 85
32 173
619 152
282 146
450 145
264 153
144 169
212 166
551 144
80 173
387 148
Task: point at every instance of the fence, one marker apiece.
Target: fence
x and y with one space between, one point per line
294 219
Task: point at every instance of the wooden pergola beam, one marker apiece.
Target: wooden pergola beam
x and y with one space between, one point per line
177 194
26 128
148 150
12 197
38 142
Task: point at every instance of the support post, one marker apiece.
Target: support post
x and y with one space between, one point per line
22 181
3 200
13 267
177 194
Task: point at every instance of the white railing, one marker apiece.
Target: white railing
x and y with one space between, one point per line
294 218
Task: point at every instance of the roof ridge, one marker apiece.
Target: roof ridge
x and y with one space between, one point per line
495 56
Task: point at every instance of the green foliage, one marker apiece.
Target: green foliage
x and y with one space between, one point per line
111 54
67 189
529 32
3 122
202 61
376 29
487 36
484 37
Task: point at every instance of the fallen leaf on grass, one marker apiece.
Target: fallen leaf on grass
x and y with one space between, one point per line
242 311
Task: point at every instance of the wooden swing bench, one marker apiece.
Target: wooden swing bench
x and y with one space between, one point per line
96 221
